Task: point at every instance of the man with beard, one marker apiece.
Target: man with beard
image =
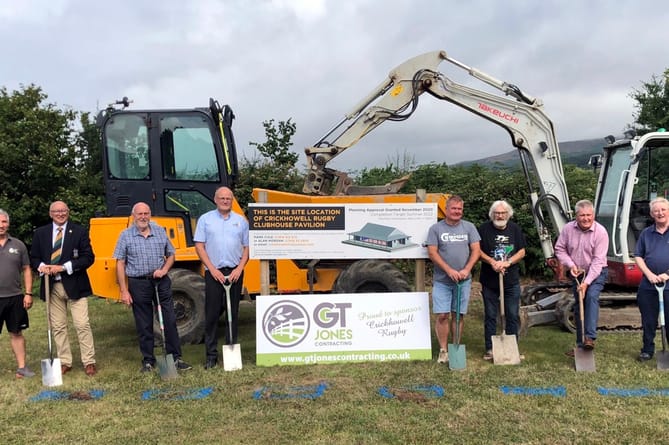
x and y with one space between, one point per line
502 248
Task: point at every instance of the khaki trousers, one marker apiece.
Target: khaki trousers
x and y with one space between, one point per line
79 311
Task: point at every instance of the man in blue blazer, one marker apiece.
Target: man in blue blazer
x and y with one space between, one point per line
61 252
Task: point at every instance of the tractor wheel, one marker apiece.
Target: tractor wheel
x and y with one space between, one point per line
188 297
371 276
566 315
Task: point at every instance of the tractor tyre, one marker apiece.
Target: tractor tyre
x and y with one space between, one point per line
188 298
566 314
371 276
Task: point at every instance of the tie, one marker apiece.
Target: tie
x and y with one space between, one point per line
57 246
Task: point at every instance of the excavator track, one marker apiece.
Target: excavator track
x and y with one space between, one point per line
618 312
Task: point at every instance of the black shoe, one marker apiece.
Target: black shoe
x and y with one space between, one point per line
181 365
644 357
147 367
210 363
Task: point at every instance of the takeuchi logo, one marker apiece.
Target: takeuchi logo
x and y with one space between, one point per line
285 323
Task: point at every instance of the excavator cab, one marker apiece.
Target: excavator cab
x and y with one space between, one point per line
174 160
171 159
633 172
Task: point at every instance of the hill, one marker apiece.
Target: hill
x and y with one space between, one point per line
573 152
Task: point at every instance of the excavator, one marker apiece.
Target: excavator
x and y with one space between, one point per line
174 160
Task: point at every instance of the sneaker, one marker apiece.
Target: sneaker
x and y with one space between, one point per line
24 372
644 357
488 355
147 367
443 356
181 365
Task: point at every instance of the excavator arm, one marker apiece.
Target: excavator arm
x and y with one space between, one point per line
396 99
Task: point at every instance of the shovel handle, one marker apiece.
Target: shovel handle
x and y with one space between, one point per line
501 295
660 296
457 313
227 284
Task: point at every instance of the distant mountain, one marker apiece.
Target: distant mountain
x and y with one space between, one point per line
572 152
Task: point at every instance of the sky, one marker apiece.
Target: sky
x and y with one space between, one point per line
312 61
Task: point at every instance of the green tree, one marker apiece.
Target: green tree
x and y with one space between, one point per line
652 104
275 168
42 160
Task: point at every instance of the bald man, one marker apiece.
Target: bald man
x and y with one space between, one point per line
144 255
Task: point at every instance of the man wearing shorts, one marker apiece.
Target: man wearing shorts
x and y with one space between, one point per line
453 247
14 303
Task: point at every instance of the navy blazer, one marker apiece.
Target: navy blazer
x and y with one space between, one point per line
76 239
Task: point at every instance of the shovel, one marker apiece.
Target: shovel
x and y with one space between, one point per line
232 353
504 347
165 363
457 356
584 359
52 374
662 356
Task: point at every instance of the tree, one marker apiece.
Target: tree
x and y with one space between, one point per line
652 104
43 160
275 168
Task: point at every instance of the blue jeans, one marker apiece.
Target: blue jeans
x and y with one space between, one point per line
491 308
590 307
649 306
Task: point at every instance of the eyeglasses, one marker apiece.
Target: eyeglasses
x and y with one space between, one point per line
500 213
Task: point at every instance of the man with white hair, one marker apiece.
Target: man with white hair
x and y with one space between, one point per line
502 248
652 257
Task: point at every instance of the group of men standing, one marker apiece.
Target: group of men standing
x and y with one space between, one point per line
455 246
61 253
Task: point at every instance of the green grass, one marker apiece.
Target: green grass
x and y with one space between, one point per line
473 409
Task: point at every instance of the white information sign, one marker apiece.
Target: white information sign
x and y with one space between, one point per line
338 328
305 231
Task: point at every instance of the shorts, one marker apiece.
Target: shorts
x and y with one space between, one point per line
444 297
13 314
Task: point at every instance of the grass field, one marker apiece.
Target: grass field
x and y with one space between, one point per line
474 409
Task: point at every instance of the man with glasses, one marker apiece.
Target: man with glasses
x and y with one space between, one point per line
502 248
61 253
652 257
222 243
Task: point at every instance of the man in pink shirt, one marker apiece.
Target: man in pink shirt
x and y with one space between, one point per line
581 248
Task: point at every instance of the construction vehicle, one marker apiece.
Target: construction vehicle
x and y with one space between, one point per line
174 160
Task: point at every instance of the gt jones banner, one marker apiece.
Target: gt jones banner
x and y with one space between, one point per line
358 231
338 328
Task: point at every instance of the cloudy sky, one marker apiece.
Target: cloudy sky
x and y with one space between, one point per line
313 60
